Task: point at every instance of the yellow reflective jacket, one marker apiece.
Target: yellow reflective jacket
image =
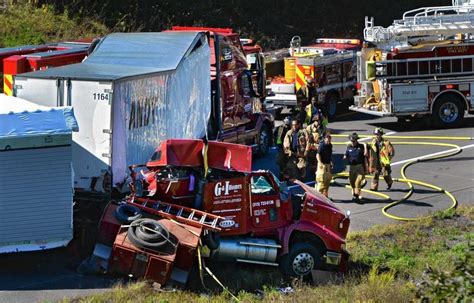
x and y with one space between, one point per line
383 157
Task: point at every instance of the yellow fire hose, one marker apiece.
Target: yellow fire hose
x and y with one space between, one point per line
456 150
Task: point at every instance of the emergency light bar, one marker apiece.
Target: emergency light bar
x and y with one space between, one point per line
338 41
246 41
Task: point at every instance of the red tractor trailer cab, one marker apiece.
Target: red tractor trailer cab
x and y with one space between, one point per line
260 222
238 115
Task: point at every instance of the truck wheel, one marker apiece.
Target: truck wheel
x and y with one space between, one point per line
300 260
331 106
264 140
127 213
448 111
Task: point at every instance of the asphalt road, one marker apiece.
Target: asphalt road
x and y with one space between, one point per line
455 174
52 275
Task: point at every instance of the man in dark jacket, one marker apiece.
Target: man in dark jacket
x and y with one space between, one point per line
355 156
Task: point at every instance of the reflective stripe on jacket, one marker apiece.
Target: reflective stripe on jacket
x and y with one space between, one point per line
385 154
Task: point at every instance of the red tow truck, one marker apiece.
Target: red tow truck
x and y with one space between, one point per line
240 215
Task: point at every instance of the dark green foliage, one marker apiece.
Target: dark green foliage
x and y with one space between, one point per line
449 286
271 23
22 24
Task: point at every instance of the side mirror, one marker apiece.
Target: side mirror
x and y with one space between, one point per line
348 214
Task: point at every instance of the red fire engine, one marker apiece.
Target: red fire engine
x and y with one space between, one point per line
422 65
331 62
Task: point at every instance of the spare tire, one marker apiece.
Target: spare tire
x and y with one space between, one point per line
148 233
127 213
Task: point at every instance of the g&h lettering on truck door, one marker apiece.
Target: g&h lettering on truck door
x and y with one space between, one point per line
224 189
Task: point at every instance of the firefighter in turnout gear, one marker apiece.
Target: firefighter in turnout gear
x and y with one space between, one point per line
294 146
306 94
281 158
314 134
381 154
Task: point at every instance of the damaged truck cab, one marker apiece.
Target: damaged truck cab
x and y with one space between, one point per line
263 224
260 222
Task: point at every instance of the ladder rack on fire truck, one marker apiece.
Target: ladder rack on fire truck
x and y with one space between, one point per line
438 21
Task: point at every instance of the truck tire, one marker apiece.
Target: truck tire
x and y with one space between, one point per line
264 140
127 213
300 260
211 240
148 233
448 111
331 106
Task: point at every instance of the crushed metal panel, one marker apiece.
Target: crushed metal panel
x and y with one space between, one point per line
149 110
229 156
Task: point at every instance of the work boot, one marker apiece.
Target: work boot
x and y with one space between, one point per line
356 199
389 181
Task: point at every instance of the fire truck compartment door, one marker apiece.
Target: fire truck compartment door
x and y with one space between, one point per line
409 98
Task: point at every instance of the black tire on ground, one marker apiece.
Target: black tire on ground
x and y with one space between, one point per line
264 140
448 111
300 260
331 106
140 235
127 213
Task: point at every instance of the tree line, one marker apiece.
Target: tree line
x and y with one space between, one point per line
271 23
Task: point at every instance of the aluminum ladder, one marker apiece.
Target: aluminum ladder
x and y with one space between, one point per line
426 21
181 214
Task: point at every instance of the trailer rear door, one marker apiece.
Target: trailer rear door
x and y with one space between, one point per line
92 148
92 102
47 92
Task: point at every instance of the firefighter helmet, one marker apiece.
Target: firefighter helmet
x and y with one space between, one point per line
378 131
309 79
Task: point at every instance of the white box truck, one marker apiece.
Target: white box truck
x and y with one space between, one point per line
132 92
36 187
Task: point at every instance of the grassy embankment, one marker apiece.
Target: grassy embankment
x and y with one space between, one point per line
23 24
388 264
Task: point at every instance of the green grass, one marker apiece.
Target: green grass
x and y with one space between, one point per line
23 24
387 264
